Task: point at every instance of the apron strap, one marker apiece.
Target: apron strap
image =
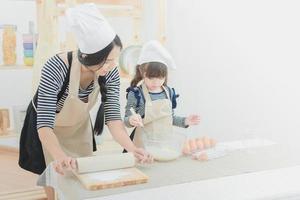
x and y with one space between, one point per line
167 92
94 140
67 79
75 74
64 86
131 137
147 95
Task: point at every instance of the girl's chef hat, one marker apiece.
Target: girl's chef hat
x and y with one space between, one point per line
153 51
92 31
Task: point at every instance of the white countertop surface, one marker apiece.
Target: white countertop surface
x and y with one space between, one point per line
275 184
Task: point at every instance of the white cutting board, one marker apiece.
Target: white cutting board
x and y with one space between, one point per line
112 178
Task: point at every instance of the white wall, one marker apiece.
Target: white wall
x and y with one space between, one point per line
238 65
15 84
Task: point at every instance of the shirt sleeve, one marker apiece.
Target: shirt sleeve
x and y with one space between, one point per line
131 103
177 120
52 76
112 105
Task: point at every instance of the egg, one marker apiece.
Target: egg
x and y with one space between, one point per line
199 143
206 141
194 157
213 142
202 157
193 145
186 149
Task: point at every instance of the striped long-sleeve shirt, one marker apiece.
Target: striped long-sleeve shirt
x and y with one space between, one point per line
53 75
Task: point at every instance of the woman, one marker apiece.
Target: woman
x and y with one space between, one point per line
58 121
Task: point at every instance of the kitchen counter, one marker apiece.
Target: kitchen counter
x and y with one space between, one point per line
238 165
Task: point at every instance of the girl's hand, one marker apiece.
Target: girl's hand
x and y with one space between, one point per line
192 120
142 156
64 163
136 120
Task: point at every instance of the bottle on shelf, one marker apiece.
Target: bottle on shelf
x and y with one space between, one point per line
9 43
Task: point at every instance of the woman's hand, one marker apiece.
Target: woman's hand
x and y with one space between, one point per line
64 163
118 131
61 160
136 120
192 120
142 156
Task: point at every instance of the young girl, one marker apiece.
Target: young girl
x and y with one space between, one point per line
150 102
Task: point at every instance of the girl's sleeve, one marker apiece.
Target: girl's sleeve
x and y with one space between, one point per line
131 103
112 105
52 77
177 120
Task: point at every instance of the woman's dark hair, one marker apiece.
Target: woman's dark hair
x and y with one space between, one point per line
151 70
94 59
100 56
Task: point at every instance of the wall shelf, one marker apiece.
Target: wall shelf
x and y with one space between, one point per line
15 67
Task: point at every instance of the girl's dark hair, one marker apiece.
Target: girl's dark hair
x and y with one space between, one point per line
151 70
98 58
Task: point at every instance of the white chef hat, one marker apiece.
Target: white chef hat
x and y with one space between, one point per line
92 31
153 51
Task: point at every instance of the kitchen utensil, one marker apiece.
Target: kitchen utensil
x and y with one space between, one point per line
164 146
109 171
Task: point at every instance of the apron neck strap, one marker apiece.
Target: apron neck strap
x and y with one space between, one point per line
166 91
75 76
147 95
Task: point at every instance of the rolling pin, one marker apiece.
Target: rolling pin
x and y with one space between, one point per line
105 162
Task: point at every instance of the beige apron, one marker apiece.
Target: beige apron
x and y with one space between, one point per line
72 124
158 117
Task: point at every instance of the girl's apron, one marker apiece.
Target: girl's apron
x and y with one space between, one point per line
158 117
73 127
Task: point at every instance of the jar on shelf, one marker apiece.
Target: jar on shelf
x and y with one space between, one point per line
9 43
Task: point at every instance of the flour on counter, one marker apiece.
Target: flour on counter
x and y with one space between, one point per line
106 175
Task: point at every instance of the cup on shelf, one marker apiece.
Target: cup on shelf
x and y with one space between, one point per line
28 52
29 44
28 61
